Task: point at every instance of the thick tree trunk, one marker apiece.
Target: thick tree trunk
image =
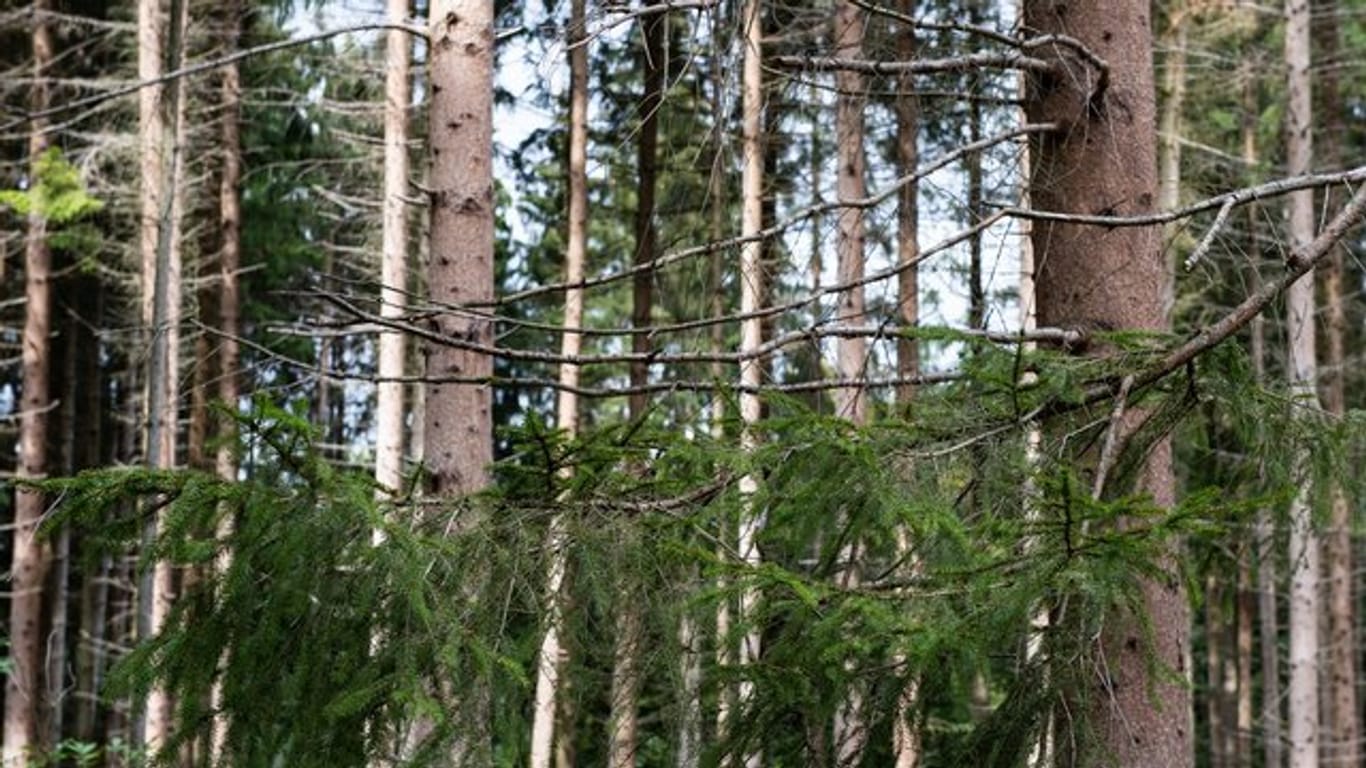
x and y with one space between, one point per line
1305 737
850 726
553 658
459 428
1105 155
24 683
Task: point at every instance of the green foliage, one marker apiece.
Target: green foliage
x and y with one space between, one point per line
58 195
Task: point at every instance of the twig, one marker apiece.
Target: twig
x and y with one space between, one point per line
1112 433
205 66
1239 197
982 60
1207 241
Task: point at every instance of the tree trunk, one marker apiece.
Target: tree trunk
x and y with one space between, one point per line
459 414
751 334
394 257
156 591
906 737
623 722
23 686
553 658
1301 367
1264 529
229 307
1173 101
1344 728
1105 155
851 727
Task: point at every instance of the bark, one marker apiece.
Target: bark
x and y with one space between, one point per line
751 333
229 307
1305 738
623 721
1264 530
1344 729
394 256
1105 156
157 588
459 417
89 434
906 737
553 658
1169 131
1214 665
28 570
850 727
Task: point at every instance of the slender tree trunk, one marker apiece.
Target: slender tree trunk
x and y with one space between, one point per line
850 727
459 429
1305 741
623 722
751 333
553 658
394 258
906 737
158 583
1214 665
1264 529
23 686
229 307
1088 277
1344 728
1172 102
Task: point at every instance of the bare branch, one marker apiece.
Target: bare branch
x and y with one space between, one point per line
206 66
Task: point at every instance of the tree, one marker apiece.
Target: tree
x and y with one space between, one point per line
552 658
1302 372
23 687
851 728
460 277
1105 154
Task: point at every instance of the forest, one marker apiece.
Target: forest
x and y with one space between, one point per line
687 383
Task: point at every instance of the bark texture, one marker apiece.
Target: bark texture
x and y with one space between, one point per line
1302 370
1103 160
459 413
24 684
554 656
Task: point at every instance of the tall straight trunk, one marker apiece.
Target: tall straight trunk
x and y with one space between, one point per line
726 533
554 656
1264 529
1215 640
977 299
906 737
1098 278
394 255
1301 367
851 352
459 428
229 307
23 685
89 431
850 725
1172 102
751 335
623 720
156 590
1344 727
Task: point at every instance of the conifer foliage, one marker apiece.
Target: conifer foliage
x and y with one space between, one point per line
688 383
